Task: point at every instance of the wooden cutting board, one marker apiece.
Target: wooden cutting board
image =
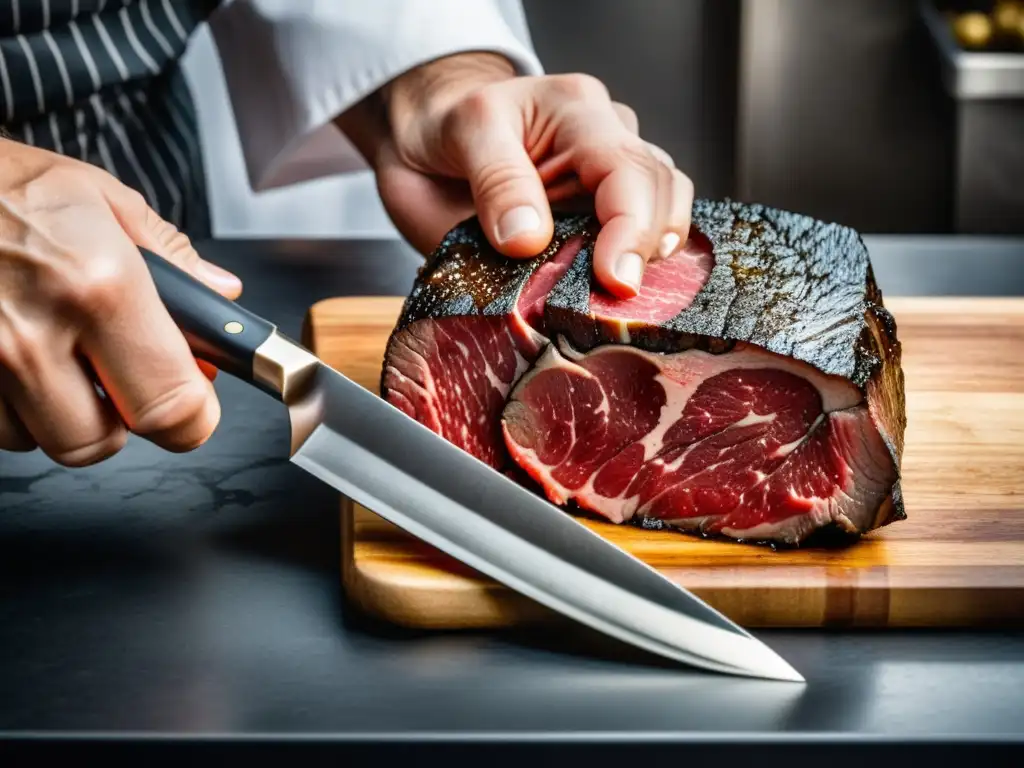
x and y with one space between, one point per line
958 560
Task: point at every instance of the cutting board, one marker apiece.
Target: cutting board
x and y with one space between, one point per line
957 561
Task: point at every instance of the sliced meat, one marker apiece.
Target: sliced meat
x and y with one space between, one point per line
669 286
470 328
751 390
747 444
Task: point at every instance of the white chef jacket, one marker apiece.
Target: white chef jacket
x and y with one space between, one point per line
292 66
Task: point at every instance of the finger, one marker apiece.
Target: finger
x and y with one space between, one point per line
13 435
507 190
145 365
628 117
661 155
149 230
140 357
149 373
556 168
677 229
632 199
209 371
57 402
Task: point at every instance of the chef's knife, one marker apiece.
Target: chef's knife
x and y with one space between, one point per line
391 464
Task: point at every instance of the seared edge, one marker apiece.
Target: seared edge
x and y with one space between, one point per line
465 275
885 389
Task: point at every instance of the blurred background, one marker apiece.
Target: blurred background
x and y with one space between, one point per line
891 116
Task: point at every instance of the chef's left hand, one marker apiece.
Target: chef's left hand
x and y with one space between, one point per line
465 135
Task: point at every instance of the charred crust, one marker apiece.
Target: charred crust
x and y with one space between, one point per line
782 281
829 536
465 275
893 510
785 282
567 306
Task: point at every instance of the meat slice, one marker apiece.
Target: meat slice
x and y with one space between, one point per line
752 390
471 327
747 444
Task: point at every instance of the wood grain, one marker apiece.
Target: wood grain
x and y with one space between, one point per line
957 561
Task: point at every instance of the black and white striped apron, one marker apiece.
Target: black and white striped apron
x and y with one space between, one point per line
99 80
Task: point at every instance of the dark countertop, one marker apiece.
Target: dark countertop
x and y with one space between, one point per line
158 599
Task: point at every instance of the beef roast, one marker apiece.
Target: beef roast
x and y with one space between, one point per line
751 390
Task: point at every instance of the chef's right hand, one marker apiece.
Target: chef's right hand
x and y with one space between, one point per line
78 309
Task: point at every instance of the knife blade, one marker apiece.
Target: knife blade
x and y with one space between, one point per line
388 462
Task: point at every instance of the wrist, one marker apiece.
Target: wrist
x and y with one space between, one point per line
365 124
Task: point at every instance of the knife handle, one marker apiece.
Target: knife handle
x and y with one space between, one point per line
218 330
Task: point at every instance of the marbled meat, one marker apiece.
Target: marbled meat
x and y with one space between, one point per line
752 390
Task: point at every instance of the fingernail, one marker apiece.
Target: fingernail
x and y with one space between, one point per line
517 222
217 278
629 269
668 244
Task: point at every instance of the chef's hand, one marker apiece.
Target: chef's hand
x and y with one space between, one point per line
78 309
463 134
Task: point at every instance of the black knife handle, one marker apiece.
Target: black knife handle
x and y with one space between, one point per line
218 330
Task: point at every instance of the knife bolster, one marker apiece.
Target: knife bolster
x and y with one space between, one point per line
284 367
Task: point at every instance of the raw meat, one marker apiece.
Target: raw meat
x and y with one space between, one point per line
752 390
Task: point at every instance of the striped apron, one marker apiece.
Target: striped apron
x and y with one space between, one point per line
99 80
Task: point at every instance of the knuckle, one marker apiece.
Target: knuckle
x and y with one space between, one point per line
666 176
661 155
95 173
23 345
622 152
154 223
627 115
636 154
175 245
135 203
178 418
496 179
83 281
92 452
476 108
684 184
581 86
59 176
57 187
98 286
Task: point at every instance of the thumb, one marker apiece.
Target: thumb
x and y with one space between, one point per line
508 193
149 230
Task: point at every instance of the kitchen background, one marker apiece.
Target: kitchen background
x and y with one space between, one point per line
891 116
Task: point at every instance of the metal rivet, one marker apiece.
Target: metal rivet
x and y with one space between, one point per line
234 327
